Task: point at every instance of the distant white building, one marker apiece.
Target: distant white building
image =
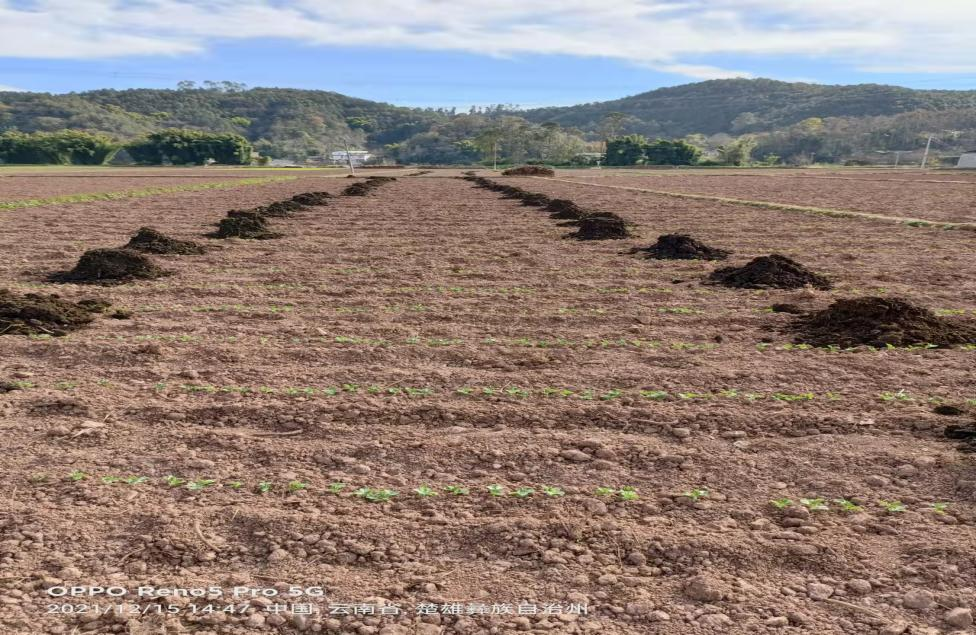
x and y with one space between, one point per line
967 160
358 157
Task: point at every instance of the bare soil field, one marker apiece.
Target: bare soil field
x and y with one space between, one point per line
427 397
24 187
953 201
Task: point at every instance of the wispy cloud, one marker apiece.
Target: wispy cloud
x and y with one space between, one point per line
670 35
7 89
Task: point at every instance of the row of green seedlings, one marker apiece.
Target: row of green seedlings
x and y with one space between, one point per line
517 393
848 506
371 494
590 225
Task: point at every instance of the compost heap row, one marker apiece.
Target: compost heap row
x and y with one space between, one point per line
38 314
866 321
364 188
590 225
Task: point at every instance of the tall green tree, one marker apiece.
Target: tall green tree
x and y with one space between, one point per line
184 147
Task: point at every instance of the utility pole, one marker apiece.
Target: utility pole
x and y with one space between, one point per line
352 170
928 145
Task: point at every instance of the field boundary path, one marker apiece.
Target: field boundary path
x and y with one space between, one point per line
821 211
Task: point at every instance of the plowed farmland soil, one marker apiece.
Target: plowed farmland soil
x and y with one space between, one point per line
23 187
890 195
631 451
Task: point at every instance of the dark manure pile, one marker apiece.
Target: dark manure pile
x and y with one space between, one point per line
278 209
245 224
578 221
153 241
534 199
529 170
312 198
879 322
362 188
561 208
111 266
36 314
601 227
681 247
769 272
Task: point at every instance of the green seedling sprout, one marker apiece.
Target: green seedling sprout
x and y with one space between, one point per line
200 484
457 490
496 490
696 494
264 487
605 491
296 486
814 504
628 494
109 480
523 492
235 484
174 481
424 491
893 507
335 488
940 508
847 506
77 475
782 503
375 495
554 492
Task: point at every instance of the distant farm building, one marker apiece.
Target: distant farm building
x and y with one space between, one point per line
967 160
358 157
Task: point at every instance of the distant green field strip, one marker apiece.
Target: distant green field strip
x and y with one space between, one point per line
820 211
141 193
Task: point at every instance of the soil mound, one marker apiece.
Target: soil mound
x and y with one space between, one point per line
534 199
153 241
773 271
682 247
594 227
278 208
566 209
359 189
35 314
510 191
381 179
244 224
312 198
873 321
111 266
529 170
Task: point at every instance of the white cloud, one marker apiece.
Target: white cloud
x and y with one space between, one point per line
670 35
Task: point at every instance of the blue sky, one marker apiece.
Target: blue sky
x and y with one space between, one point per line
464 52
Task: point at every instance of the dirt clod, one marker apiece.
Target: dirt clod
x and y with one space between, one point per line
37 314
243 224
358 189
874 321
534 199
111 266
773 271
529 170
681 247
153 241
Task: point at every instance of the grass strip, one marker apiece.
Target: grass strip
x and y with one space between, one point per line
140 193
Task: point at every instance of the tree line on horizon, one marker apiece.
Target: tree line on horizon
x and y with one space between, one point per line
776 122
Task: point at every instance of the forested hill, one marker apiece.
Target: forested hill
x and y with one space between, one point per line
738 106
292 123
280 121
